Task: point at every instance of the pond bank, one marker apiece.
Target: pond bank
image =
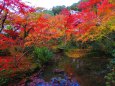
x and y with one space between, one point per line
88 74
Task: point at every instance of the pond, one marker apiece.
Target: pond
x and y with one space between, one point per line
66 71
59 73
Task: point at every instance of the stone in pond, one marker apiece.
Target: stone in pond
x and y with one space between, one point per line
58 71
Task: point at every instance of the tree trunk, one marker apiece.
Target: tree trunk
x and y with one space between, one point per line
3 21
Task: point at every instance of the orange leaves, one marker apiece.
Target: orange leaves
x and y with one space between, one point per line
42 23
93 19
52 28
104 7
46 29
17 19
57 21
85 25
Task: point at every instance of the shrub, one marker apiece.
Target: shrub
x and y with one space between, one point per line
113 52
42 55
3 79
110 77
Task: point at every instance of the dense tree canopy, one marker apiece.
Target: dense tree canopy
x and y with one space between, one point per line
94 21
24 28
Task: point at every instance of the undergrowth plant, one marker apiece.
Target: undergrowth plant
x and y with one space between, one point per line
110 77
42 55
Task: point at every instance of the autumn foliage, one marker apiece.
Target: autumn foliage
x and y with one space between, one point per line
22 26
90 23
39 29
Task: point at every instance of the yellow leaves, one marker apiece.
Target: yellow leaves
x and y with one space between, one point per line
112 1
77 53
111 23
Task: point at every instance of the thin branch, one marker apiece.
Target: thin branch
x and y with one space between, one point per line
3 21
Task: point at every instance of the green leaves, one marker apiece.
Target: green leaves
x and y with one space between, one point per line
113 53
110 77
9 27
42 55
